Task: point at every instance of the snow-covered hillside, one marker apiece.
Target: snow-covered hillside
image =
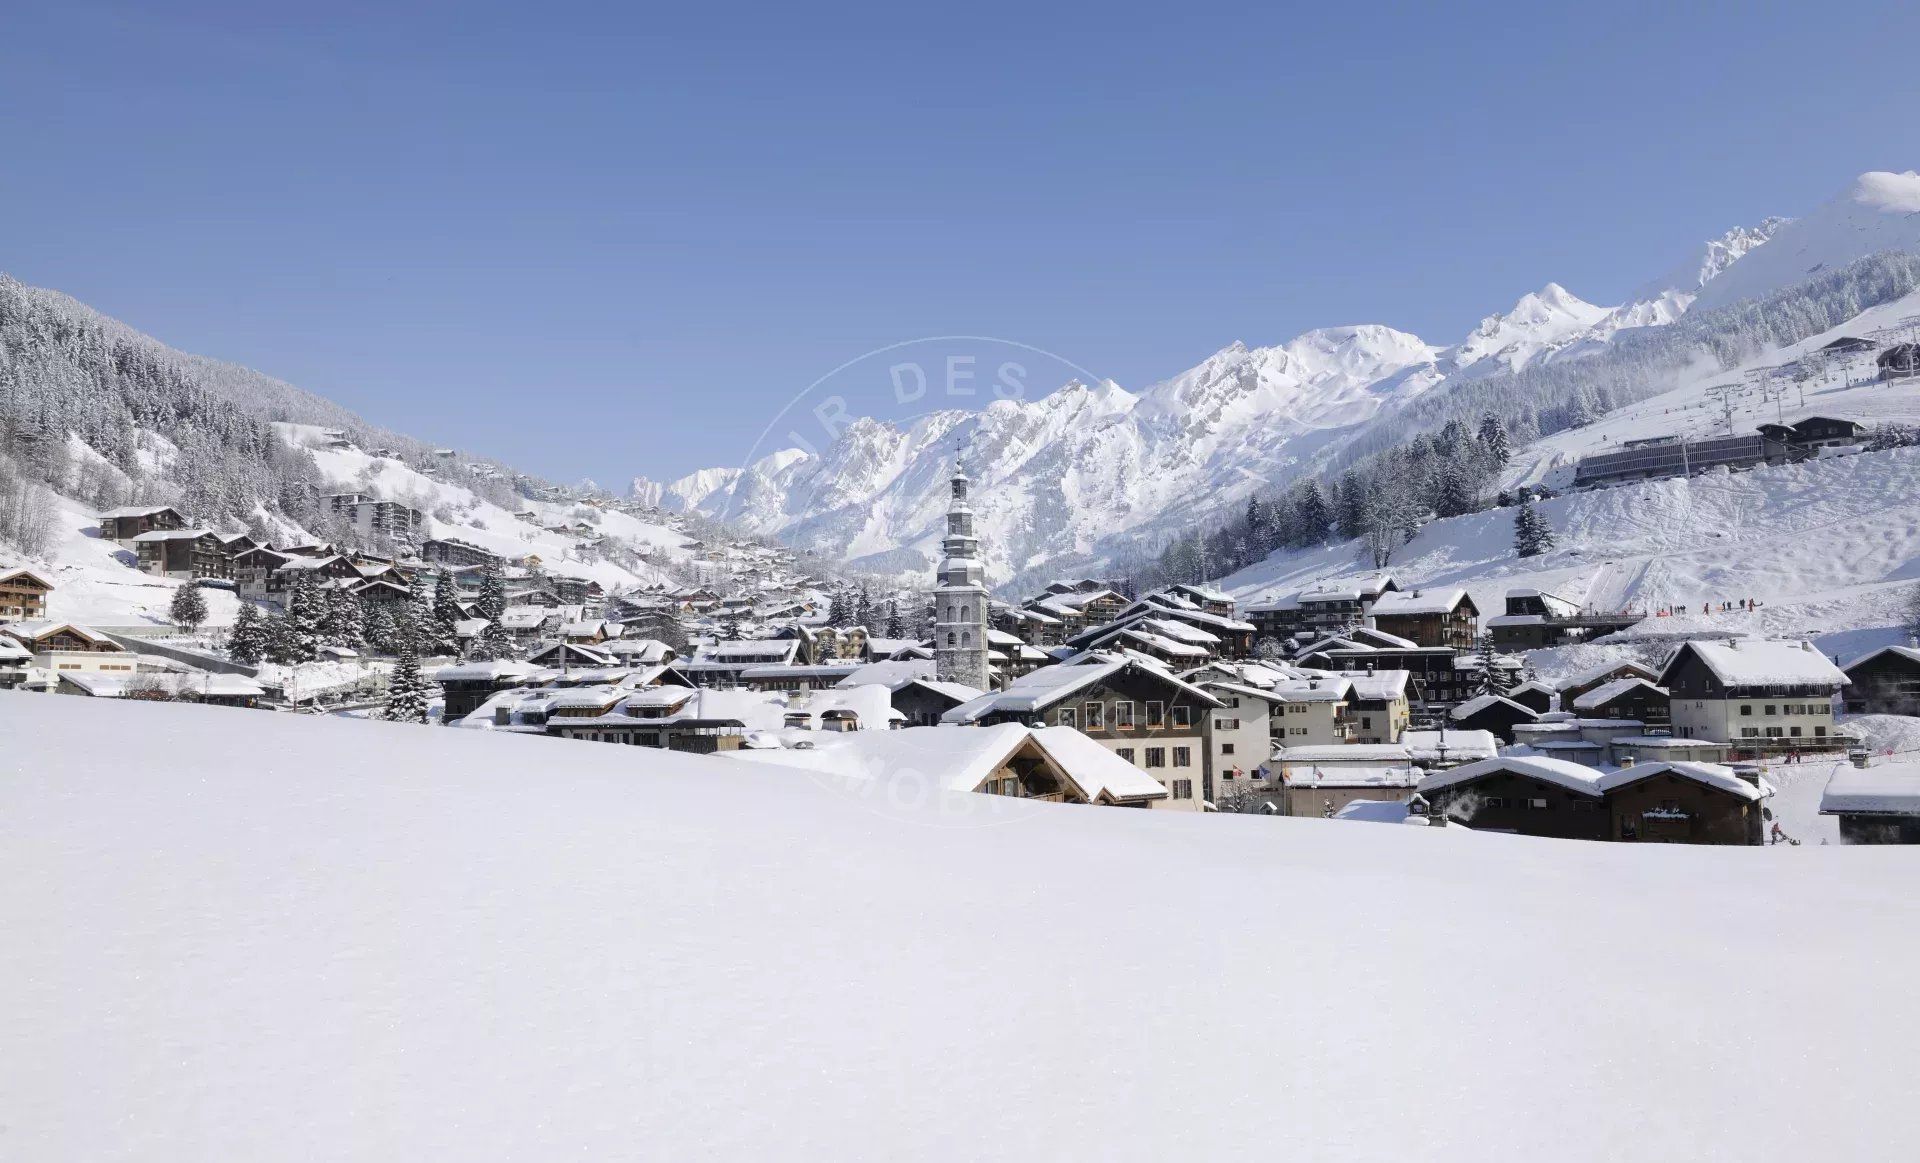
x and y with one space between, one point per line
1083 476
441 956
1879 212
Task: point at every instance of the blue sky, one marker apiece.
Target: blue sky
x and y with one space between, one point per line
601 240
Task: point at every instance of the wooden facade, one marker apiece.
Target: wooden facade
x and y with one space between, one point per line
23 595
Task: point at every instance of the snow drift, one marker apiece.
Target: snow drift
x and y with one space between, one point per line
374 941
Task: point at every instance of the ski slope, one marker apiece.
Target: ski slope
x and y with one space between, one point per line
490 947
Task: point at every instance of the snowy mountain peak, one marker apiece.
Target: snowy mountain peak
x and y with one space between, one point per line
1539 322
1877 212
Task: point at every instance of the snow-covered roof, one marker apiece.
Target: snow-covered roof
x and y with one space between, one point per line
172 535
1576 777
1883 789
1749 662
1044 687
1601 672
1910 653
1350 775
892 674
34 631
1338 753
1378 685
1462 746
1607 692
135 511
959 759
1439 600
486 670
1711 774
1478 703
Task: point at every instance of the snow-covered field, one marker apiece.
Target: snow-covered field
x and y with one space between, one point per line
478 946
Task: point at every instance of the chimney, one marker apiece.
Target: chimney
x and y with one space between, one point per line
1806 645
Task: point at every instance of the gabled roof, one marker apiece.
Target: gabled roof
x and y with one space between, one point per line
1575 777
1052 684
1713 775
1888 789
35 631
1747 662
1437 600
21 571
1479 703
136 511
173 535
1607 692
1909 653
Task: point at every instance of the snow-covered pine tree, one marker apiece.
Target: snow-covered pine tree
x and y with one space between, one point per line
188 610
299 637
1532 536
407 687
1488 678
492 603
247 641
896 627
1494 442
415 623
446 611
378 628
346 619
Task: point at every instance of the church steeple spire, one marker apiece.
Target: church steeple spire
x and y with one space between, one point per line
960 596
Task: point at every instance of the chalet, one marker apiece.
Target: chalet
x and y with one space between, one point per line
381 592
670 717
1445 748
1204 597
1240 736
1378 710
720 664
1879 804
451 551
1321 780
1047 764
1657 802
253 567
1008 657
183 553
1815 433
23 595
566 656
1850 345
1494 713
1529 795
1632 697
819 676
1326 607
331 568
234 544
1535 696
1534 619
1429 617
1666 802
1599 676
125 524
1438 676
1136 709
1899 362
466 686
1753 693
1885 682
63 646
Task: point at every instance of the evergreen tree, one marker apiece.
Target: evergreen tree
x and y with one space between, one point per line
1489 679
1494 441
189 608
492 643
247 641
1312 515
1356 506
298 637
446 611
378 628
896 627
416 625
1452 496
863 607
346 619
1532 536
492 604
407 687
